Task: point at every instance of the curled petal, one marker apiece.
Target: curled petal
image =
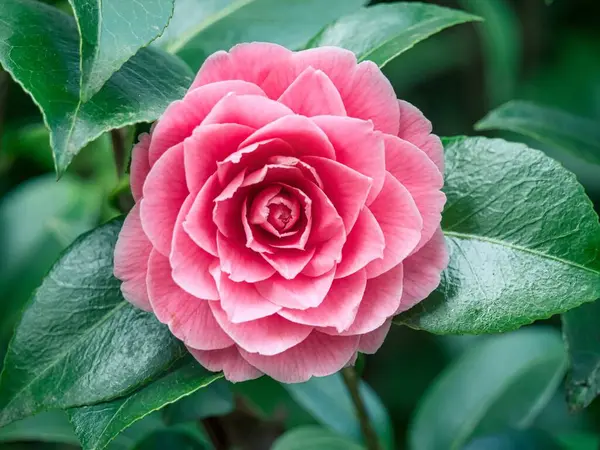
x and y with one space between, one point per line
198 221
240 262
253 111
372 341
140 166
228 360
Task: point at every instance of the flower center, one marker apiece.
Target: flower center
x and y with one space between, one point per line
281 216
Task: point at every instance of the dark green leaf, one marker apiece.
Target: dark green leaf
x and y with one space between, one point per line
51 426
112 31
79 342
97 425
523 240
177 438
214 400
328 400
38 39
503 381
514 440
581 332
549 126
313 438
579 441
200 28
382 32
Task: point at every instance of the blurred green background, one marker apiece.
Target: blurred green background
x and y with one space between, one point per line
526 49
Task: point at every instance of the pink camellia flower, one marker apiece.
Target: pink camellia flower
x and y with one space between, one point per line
287 207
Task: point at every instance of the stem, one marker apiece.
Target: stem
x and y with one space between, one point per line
351 380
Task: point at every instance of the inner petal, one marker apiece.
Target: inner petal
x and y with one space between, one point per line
284 211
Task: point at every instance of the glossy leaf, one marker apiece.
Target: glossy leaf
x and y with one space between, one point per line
215 399
502 382
329 402
581 332
112 31
99 424
314 438
51 426
79 342
382 32
200 27
523 240
547 125
37 38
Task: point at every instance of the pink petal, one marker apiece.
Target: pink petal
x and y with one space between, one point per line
416 129
300 293
208 145
347 188
131 260
250 110
289 262
189 318
365 243
372 341
140 166
240 262
313 94
357 146
182 116
242 302
251 62
422 271
228 208
421 177
339 307
319 355
191 264
401 223
229 360
268 336
165 191
198 222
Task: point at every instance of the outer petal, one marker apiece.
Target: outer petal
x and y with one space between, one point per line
229 360
358 146
242 302
190 263
165 191
189 318
140 166
131 260
198 221
372 341
182 116
240 262
421 177
401 223
416 129
268 336
319 355
300 293
339 307
313 94
250 110
422 271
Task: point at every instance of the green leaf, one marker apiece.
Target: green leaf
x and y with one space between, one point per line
215 399
79 342
99 424
523 240
199 28
38 220
579 441
51 426
549 126
582 337
328 400
112 31
515 440
38 39
502 381
382 32
313 438
177 438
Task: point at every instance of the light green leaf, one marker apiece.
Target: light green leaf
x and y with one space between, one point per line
328 400
112 31
313 438
549 126
522 236
382 32
199 28
215 399
79 342
502 382
38 39
581 333
96 426
51 426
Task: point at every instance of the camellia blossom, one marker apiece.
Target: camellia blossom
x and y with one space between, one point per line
286 208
